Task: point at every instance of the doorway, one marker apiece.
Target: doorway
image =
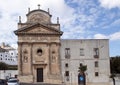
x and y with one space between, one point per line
81 79
39 74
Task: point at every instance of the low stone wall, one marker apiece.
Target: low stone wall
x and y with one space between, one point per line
117 81
8 73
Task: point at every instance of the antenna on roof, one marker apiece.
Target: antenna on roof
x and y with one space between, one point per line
28 10
38 6
57 20
19 19
48 10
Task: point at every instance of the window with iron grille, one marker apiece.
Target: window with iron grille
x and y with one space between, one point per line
67 53
81 52
66 73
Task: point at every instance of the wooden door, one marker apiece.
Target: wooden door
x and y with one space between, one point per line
39 74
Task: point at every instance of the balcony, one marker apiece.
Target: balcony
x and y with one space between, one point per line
96 56
67 56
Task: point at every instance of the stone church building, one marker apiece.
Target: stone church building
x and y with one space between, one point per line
44 57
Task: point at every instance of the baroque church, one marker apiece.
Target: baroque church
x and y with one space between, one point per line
44 57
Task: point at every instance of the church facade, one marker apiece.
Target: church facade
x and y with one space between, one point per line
44 57
38 48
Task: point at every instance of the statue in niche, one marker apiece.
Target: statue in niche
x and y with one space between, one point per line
53 56
39 52
25 56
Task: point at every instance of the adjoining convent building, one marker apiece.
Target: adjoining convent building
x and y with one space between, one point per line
44 57
91 52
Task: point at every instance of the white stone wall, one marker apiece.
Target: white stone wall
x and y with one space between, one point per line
8 73
88 59
14 55
9 57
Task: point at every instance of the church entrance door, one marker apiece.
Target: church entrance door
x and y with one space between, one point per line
39 74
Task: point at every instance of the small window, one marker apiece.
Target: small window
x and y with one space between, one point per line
81 64
66 65
1 58
96 74
96 63
81 52
11 53
66 73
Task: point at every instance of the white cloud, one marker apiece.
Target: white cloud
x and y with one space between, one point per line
113 24
115 36
58 8
110 3
100 36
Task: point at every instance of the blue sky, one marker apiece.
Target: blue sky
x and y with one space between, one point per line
79 19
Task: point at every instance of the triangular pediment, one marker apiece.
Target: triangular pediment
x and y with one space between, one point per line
38 29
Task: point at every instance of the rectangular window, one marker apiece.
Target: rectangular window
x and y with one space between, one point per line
67 73
67 52
81 64
11 53
96 74
96 63
66 65
96 53
81 52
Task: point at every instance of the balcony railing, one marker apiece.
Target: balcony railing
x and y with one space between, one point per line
96 56
67 56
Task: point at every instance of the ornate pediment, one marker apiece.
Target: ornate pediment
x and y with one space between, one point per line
38 29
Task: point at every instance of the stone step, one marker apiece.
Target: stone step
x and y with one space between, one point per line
38 84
